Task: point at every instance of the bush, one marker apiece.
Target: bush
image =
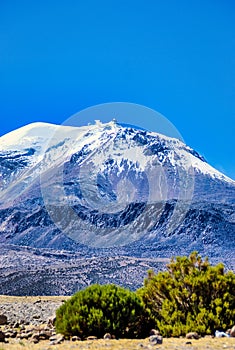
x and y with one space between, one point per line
100 309
191 295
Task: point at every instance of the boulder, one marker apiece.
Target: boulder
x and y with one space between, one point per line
107 336
219 334
155 339
192 335
3 320
2 337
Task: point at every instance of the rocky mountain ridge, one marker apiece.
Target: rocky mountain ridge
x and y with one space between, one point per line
103 192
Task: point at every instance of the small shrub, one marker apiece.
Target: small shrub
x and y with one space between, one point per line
98 309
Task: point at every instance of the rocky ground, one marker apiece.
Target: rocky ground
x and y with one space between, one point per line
29 271
28 323
26 311
123 344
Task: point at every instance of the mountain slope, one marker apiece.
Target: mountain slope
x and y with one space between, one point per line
111 189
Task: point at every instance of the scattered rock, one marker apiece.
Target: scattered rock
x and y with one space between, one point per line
232 332
29 333
188 343
24 335
107 336
56 339
51 321
3 320
156 339
36 317
37 301
10 333
92 337
35 338
33 313
44 334
75 338
154 332
192 335
219 334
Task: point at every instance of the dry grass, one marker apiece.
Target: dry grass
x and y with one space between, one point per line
124 344
30 299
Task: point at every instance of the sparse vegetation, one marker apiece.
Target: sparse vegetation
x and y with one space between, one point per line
191 295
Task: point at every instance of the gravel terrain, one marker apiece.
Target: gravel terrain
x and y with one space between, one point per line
29 326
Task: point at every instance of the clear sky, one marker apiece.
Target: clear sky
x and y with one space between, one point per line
175 56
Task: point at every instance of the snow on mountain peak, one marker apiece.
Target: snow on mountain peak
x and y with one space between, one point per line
30 135
42 136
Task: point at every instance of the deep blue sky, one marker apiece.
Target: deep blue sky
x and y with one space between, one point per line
177 57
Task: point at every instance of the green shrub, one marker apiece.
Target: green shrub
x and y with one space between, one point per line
100 309
191 295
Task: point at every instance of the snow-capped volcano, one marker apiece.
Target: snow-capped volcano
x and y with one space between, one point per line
128 190
42 145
